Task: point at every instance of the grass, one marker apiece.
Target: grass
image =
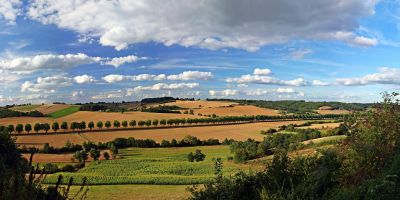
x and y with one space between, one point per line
156 192
64 112
160 166
25 108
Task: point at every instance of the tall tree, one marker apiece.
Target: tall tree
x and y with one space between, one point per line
55 126
28 128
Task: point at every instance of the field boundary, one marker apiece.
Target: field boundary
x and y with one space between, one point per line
159 127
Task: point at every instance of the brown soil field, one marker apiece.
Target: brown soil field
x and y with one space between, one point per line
88 116
237 132
324 112
322 126
236 110
200 104
47 109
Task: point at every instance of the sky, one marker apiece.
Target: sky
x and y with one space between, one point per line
125 50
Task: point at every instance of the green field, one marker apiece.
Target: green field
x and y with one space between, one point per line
64 112
144 192
162 166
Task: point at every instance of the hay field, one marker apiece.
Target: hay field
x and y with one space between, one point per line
237 132
57 158
25 108
200 104
47 109
236 110
321 126
337 112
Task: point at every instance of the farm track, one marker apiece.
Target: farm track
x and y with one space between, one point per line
159 127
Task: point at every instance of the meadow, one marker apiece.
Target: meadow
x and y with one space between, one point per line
159 166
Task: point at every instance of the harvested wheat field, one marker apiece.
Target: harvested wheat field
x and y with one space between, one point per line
322 126
236 110
200 104
47 109
337 112
237 132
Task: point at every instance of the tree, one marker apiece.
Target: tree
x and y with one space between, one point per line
117 124
10 128
46 127
198 156
190 157
55 126
163 122
19 128
141 123
74 125
64 126
94 153
124 124
113 149
191 112
82 125
100 124
80 156
107 124
148 123
155 122
37 127
91 125
106 155
132 123
28 128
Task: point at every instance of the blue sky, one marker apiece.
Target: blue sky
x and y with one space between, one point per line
82 51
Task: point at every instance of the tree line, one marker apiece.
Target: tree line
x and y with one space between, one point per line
116 124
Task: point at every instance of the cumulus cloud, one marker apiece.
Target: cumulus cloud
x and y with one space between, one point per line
10 9
84 79
46 84
184 76
385 75
118 61
207 24
191 75
265 71
109 95
224 93
285 90
269 80
319 83
162 86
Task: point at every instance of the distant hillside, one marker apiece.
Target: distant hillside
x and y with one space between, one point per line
299 106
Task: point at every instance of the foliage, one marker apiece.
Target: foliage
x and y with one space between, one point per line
4 112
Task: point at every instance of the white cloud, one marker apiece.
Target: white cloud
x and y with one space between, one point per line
118 61
184 76
266 80
319 83
162 86
10 9
109 95
77 93
47 61
384 76
84 79
191 75
285 90
265 71
207 24
224 93
46 84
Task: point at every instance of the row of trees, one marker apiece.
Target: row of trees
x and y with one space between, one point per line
81 126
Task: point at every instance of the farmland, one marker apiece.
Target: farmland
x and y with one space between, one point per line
237 132
165 166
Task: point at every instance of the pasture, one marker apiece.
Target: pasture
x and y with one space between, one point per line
160 166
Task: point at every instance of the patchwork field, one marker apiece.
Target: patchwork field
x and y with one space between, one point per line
25 108
200 104
71 115
339 112
321 126
165 166
237 132
236 110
